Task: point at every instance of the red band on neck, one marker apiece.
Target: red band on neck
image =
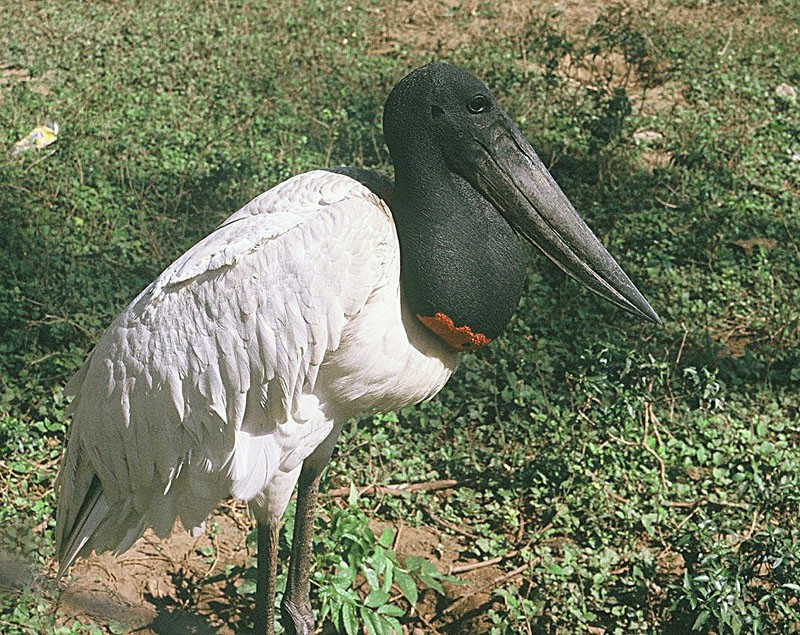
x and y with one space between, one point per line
459 337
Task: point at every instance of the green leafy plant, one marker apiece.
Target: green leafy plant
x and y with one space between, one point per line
360 580
740 586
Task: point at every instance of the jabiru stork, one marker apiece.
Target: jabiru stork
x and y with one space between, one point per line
332 295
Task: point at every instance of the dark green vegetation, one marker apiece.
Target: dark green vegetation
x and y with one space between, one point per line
637 479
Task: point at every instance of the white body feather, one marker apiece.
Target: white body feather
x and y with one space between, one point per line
238 361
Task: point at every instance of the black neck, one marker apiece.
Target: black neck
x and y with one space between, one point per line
459 256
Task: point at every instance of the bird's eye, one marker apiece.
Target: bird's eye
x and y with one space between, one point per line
478 104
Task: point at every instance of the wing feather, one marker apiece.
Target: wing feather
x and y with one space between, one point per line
203 387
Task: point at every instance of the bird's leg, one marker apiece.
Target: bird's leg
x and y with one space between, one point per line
266 571
296 613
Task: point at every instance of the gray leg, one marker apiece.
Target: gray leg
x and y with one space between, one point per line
266 570
296 614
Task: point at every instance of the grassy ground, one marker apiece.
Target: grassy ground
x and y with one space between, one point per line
585 473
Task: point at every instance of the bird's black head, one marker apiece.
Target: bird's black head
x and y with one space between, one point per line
443 126
441 106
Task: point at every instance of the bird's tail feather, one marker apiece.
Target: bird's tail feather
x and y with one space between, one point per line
93 510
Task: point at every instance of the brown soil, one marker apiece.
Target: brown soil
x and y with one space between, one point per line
9 75
163 587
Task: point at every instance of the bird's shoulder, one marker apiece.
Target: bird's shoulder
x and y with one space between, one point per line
311 248
278 279
337 210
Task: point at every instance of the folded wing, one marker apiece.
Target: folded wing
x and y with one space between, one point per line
203 386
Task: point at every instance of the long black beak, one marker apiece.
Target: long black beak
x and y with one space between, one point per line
512 177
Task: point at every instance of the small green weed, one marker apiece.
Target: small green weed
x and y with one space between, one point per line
360 580
357 578
734 585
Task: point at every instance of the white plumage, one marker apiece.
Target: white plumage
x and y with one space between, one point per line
240 359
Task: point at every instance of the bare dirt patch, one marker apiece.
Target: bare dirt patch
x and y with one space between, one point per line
12 75
162 587
439 27
463 608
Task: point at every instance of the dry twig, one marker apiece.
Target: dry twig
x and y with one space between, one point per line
393 490
473 566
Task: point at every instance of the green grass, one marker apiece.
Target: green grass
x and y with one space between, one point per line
646 480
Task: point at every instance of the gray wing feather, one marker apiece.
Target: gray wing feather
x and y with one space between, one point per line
204 386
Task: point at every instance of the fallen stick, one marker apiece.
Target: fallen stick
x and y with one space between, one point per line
393 490
472 566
